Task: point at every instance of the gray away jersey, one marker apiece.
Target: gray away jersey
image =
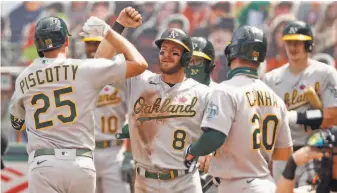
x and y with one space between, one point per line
254 119
164 120
290 88
57 98
110 113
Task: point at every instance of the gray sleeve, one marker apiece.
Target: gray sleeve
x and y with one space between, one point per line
102 72
284 135
220 110
329 94
16 107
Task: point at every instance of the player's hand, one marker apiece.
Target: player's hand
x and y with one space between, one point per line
190 160
129 18
204 163
94 27
305 154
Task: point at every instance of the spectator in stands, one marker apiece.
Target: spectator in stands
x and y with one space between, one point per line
276 53
326 31
77 14
220 34
102 9
255 14
21 16
219 9
197 13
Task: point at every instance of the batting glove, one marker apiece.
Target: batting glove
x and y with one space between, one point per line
95 27
190 161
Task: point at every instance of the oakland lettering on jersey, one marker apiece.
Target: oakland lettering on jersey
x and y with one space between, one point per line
295 99
48 75
108 99
261 98
163 110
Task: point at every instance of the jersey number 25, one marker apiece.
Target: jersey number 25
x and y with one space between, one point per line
59 103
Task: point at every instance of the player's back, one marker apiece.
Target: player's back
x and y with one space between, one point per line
58 97
251 139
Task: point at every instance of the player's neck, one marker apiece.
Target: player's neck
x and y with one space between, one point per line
173 78
296 67
57 53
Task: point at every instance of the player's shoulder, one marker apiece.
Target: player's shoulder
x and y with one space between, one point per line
197 85
275 74
319 67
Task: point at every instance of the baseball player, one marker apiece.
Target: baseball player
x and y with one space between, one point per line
200 69
110 116
202 63
290 82
55 98
245 121
165 115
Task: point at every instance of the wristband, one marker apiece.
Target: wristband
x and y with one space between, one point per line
311 118
117 27
289 171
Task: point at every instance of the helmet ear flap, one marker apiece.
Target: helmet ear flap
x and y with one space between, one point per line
309 45
227 55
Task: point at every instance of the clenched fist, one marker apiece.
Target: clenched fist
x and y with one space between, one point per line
129 18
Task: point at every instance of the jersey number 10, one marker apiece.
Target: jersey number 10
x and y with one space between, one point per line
262 133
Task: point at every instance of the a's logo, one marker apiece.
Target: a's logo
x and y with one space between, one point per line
212 111
49 43
293 30
173 34
194 72
151 82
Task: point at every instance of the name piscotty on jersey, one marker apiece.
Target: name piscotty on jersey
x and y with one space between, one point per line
290 88
48 75
110 113
57 98
164 120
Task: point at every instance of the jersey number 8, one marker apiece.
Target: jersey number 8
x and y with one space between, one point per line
58 104
179 137
269 124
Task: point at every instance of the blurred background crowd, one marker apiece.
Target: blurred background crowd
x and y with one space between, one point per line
215 20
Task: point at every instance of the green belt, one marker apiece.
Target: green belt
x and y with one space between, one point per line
79 152
106 144
161 176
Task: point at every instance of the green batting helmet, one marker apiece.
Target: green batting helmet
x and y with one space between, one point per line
301 31
204 48
180 37
50 33
202 71
248 43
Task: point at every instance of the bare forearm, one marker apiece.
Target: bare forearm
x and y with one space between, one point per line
282 153
329 117
123 46
285 186
105 50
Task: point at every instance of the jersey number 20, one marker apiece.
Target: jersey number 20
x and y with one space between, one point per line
268 128
58 104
